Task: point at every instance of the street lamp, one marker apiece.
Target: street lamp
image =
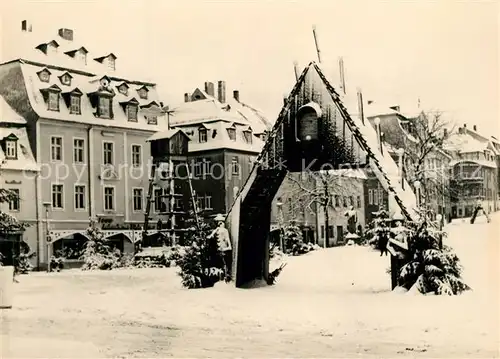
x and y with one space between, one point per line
417 185
47 206
400 152
279 206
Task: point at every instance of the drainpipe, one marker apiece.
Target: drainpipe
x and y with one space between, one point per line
38 219
90 171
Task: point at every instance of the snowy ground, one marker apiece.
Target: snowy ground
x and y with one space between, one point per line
332 303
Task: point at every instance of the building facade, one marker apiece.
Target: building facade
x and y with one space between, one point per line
87 126
18 171
474 172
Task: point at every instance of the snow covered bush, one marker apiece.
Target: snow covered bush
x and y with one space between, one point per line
294 242
98 254
23 262
430 267
378 231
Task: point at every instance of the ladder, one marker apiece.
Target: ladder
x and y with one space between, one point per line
168 197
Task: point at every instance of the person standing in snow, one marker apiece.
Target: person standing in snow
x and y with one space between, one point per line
352 219
224 244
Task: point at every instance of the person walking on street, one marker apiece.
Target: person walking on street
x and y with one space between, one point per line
224 245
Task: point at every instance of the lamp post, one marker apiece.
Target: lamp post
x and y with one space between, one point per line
400 152
47 205
279 206
379 137
417 185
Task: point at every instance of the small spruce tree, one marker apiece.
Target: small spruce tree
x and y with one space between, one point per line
378 231
431 267
199 263
98 254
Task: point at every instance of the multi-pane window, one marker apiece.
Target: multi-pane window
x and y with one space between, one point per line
248 136
152 120
208 201
79 197
104 107
205 166
75 105
137 199
160 205
344 199
143 93
358 200
107 151
78 150
14 204
57 196
132 112
337 200
235 167
198 167
11 149
109 198
370 196
111 62
375 196
203 135
56 148
381 196
232 134
53 101
136 156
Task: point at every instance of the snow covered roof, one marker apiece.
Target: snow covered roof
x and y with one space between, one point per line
25 160
465 143
218 137
8 115
208 108
87 84
166 134
483 163
349 172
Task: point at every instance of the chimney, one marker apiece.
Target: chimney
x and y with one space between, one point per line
187 97
66 34
475 128
465 125
222 92
25 26
236 95
209 89
460 130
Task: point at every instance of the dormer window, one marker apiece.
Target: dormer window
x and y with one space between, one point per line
44 75
49 47
108 60
248 135
75 106
104 82
111 63
202 135
231 131
131 107
132 112
152 120
143 92
104 110
123 89
81 56
53 103
66 79
11 149
73 100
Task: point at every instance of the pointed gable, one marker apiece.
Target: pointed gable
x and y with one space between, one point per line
143 92
65 78
44 75
199 95
72 53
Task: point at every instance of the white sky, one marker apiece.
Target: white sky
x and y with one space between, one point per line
446 52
